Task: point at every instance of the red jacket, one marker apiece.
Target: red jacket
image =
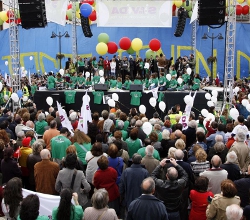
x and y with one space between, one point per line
107 179
106 64
210 130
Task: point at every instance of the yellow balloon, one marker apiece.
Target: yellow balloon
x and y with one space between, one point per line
101 48
136 44
240 1
178 3
248 2
3 16
78 14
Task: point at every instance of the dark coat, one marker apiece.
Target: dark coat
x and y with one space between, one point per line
243 187
233 171
222 154
190 136
186 166
9 169
147 207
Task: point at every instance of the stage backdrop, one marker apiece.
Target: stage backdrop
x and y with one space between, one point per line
37 43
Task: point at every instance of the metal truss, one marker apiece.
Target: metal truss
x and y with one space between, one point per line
194 30
74 37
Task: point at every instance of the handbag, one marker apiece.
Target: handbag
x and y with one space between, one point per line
73 179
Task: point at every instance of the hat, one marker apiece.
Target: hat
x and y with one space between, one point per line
26 142
156 115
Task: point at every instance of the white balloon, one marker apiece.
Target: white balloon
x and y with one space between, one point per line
204 112
189 70
215 93
31 58
168 76
14 97
46 113
111 103
142 109
234 113
61 71
22 68
180 80
101 73
236 89
147 128
188 99
205 121
245 102
6 63
25 98
208 96
6 97
102 80
115 97
162 106
211 116
210 104
214 99
152 101
248 107
49 101
248 96
87 74
1 86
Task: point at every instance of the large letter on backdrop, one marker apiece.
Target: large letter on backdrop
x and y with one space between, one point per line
134 13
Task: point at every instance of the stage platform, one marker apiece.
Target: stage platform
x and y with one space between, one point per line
171 98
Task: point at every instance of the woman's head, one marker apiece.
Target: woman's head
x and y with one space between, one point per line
71 150
171 152
153 136
228 188
70 161
219 147
30 134
201 155
37 147
100 199
41 117
97 149
180 144
201 184
30 207
80 137
8 152
64 208
134 134
4 136
112 151
165 134
103 163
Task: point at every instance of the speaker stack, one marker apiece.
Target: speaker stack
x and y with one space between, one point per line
182 16
85 27
32 13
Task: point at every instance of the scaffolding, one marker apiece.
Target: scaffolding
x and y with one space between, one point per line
74 40
230 54
14 46
194 30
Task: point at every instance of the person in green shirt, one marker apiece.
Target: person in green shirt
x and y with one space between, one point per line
146 81
51 81
119 83
33 88
127 83
140 67
107 81
59 81
80 81
73 80
142 152
80 65
153 81
162 82
40 124
172 71
173 84
135 98
66 208
196 82
113 82
138 80
96 78
180 87
88 82
100 63
133 142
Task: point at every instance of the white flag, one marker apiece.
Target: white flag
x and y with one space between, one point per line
64 118
29 78
155 92
85 115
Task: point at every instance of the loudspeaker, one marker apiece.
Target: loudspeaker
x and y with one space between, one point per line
211 12
101 87
85 27
182 15
134 87
32 13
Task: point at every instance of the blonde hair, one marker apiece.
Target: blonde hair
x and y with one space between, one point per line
180 144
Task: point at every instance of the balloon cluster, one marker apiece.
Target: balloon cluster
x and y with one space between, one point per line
212 99
85 8
5 16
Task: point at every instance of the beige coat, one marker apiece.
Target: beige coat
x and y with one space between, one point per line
150 163
217 208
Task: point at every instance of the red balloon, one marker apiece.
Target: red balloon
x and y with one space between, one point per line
69 6
10 13
125 43
173 7
91 2
154 44
112 47
238 9
245 10
92 17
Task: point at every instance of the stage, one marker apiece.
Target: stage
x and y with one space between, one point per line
171 98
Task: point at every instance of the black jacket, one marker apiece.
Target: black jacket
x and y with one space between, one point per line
9 169
233 171
170 192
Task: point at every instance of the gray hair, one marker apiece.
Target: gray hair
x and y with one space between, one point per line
219 146
200 129
192 124
218 138
53 124
231 157
30 124
120 125
157 127
100 199
172 173
240 137
41 116
20 134
138 123
171 152
105 114
45 154
132 122
149 150
179 155
234 212
136 158
165 134
37 147
112 116
148 188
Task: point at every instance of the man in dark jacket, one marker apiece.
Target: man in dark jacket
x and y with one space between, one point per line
5 115
170 190
147 206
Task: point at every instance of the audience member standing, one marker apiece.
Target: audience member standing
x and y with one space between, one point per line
49 134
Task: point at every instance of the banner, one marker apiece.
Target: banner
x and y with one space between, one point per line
134 13
47 202
85 115
64 118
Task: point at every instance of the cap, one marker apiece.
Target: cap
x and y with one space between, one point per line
26 142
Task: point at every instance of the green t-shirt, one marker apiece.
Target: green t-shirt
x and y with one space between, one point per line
39 127
59 144
127 84
119 85
33 89
82 149
196 85
73 79
70 97
51 82
146 83
185 77
162 80
98 97
80 80
160 97
133 146
137 82
135 98
76 213
173 83
88 83
113 83
153 81
94 64
156 155
96 79
124 135
80 63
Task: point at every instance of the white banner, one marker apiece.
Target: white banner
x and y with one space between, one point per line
47 202
134 13
56 11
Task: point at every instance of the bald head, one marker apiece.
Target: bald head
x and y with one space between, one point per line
30 124
172 174
45 154
149 150
179 155
178 133
216 161
148 186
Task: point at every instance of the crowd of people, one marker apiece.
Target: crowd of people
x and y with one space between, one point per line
117 171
